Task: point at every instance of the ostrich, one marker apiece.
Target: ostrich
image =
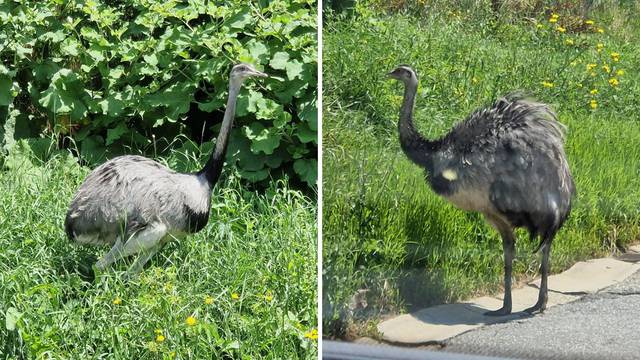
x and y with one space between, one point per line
506 162
136 204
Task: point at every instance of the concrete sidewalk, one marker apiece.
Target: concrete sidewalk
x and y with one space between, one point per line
435 324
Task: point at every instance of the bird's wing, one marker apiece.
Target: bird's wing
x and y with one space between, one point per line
123 191
532 186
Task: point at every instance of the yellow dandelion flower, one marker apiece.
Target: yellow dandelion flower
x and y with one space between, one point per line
560 29
157 331
547 84
614 82
191 321
208 300
539 26
606 68
268 296
159 338
593 104
620 72
172 354
593 92
591 66
615 56
601 30
235 296
313 334
474 80
599 47
117 301
554 18
589 22
569 42
579 85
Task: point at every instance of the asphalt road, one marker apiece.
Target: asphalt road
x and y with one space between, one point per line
605 325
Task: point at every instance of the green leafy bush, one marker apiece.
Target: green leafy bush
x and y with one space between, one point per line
109 77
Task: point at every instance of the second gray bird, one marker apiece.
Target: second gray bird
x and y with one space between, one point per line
506 162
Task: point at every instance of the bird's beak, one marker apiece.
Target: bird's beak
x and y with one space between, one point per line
389 75
260 74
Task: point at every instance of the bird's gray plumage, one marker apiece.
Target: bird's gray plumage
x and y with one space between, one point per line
506 161
133 191
136 204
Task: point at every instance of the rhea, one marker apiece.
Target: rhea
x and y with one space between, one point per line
137 204
506 162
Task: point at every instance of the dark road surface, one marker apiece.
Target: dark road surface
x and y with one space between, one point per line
605 325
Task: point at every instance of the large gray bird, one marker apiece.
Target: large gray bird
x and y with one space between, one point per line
136 204
506 162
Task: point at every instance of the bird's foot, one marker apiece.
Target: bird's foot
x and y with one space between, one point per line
538 307
500 312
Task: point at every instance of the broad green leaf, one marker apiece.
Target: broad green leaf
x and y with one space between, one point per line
53 36
307 169
70 46
279 60
151 59
282 119
268 109
258 51
176 100
115 133
6 90
254 176
262 139
308 112
305 134
294 69
112 106
239 20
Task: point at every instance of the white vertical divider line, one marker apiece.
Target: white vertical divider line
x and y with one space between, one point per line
319 181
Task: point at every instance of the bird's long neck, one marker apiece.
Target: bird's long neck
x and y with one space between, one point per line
416 147
213 168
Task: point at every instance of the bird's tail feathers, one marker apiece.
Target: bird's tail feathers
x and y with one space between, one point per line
525 107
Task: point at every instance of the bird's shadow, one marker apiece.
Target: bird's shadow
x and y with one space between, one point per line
464 314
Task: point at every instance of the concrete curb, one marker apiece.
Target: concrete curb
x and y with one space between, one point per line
438 323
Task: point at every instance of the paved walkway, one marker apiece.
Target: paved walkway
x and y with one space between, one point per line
436 324
604 325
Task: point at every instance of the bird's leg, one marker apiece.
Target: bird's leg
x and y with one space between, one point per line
110 257
508 247
147 254
145 240
541 304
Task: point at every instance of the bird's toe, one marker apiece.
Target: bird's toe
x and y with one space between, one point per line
500 312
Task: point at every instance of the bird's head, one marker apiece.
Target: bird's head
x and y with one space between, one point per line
404 73
241 72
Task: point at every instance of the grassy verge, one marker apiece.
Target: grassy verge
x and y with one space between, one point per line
244 287
390 245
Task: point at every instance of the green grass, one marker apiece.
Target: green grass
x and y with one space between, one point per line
255 261
383 228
